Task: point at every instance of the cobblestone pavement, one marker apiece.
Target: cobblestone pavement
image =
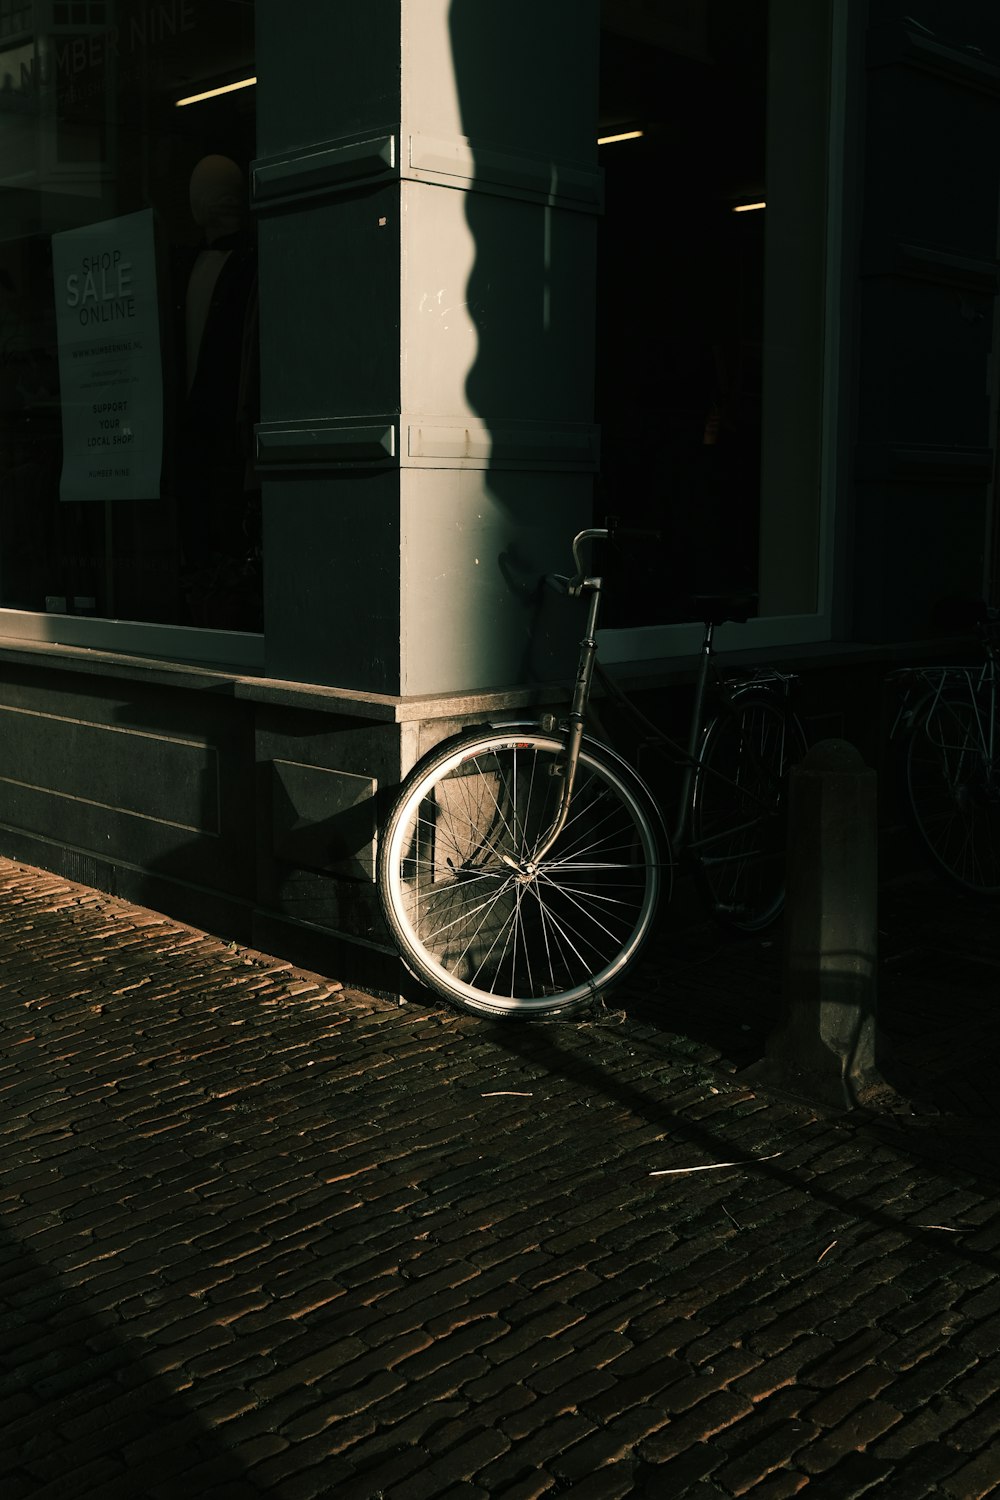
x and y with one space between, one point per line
263 1235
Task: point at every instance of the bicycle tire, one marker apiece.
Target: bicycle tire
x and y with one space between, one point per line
739 810
470 922
951 791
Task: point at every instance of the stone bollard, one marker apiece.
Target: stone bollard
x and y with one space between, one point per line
823 1048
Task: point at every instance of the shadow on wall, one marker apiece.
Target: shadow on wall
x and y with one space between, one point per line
530 298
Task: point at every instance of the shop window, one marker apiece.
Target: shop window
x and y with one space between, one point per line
128 366
713 266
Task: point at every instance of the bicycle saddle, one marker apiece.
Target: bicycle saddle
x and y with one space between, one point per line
959 613
716 609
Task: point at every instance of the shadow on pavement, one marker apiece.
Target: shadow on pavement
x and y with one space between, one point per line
546 1050
938 995
82 1412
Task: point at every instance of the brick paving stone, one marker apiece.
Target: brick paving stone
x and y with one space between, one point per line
730 1364
778 1335
980 1383
606 1446
847 1358
978 1431
846 1398
310 1456
389 1473
172 1356
681 1395
929 1423
355 1189
252 1450
490 1303
858 1474
519 1337
674 1334
979 1477
468 1460
526 1412
344 1404
336 1357
681 1474
318 1481
780 1484
782 1406
414 1430
765 1376
982 1339
918 1477
773 1451
613 1310
535 1452
710 1417
210 1386
566 1361
657 1378
98 1477
450 1380
448 1348
17 1487
927 1340
610 1482
931 1377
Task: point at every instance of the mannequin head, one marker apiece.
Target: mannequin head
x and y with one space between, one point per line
218 196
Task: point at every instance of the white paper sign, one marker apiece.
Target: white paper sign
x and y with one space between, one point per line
110 372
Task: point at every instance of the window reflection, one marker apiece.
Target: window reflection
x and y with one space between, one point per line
711 298
92 151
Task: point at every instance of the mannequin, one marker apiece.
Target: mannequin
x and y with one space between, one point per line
219 530
216 197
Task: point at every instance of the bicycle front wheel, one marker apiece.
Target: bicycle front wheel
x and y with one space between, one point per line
476 917
952 791
739 809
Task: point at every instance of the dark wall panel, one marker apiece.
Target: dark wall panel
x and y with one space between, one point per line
130 774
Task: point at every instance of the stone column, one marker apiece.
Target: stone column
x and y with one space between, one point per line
427 193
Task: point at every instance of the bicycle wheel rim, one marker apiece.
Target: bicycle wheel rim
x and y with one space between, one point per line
739 811
471 924
953 796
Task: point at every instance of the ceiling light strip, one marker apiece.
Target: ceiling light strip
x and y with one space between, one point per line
226 88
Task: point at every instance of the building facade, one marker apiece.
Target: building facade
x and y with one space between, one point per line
325 327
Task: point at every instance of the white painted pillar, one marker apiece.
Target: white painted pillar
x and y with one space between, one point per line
427 192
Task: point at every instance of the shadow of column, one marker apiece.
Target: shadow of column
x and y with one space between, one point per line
81 1405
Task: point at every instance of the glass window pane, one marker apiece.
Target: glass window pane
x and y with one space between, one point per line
127 315
710 298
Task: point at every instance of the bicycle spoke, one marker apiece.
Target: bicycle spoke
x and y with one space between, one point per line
738 810
953 795
478 914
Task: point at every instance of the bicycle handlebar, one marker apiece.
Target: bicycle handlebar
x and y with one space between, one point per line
572 585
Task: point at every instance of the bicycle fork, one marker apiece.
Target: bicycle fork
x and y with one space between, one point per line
694 736
565 768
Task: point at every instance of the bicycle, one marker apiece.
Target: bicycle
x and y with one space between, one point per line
520 868
947 731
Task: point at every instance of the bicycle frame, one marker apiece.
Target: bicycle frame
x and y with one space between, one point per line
946 724
581 688
977 684
730 691
505 899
